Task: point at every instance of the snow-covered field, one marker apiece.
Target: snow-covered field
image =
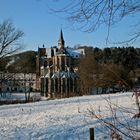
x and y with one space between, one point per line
60 119
18 96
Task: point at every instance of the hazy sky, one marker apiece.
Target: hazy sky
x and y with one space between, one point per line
42 27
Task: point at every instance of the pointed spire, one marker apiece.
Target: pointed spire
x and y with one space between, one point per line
61 41
61 36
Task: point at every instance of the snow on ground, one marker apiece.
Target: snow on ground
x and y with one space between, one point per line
18 96
60 119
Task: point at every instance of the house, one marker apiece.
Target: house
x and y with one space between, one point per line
17 82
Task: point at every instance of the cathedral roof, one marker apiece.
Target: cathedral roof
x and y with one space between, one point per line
61 37
62 51
64 74
61 41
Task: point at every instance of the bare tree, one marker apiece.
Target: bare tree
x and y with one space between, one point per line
88 15
123 122
89 72
9 38
96 75
9 44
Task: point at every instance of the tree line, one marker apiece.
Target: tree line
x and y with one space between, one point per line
24 62
109 67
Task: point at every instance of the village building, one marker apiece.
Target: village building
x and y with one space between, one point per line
56 71
17 82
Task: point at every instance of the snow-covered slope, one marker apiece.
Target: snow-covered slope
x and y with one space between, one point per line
63 119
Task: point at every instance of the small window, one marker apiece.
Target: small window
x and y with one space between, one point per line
31 89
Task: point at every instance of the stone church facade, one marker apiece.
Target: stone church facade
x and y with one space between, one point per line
56 72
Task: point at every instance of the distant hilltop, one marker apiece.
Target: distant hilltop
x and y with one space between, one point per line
24 62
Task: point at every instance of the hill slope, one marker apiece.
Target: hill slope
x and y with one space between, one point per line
63 119
24 62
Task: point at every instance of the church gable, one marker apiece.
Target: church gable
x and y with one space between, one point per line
57 75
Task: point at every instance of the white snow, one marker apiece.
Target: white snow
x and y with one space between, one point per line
18 96
60 119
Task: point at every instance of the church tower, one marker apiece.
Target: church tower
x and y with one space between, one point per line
57 77
61 41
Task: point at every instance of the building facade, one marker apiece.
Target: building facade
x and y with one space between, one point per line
17 82
56 71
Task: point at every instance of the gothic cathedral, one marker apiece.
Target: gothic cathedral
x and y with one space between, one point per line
57 75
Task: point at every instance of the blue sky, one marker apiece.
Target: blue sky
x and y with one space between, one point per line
42 27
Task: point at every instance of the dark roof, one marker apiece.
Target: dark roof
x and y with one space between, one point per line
61 37
61 51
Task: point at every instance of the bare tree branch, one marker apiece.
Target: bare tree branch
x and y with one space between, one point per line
88 15
9 38
119 126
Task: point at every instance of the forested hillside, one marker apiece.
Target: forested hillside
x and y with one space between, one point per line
24 62
109 67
